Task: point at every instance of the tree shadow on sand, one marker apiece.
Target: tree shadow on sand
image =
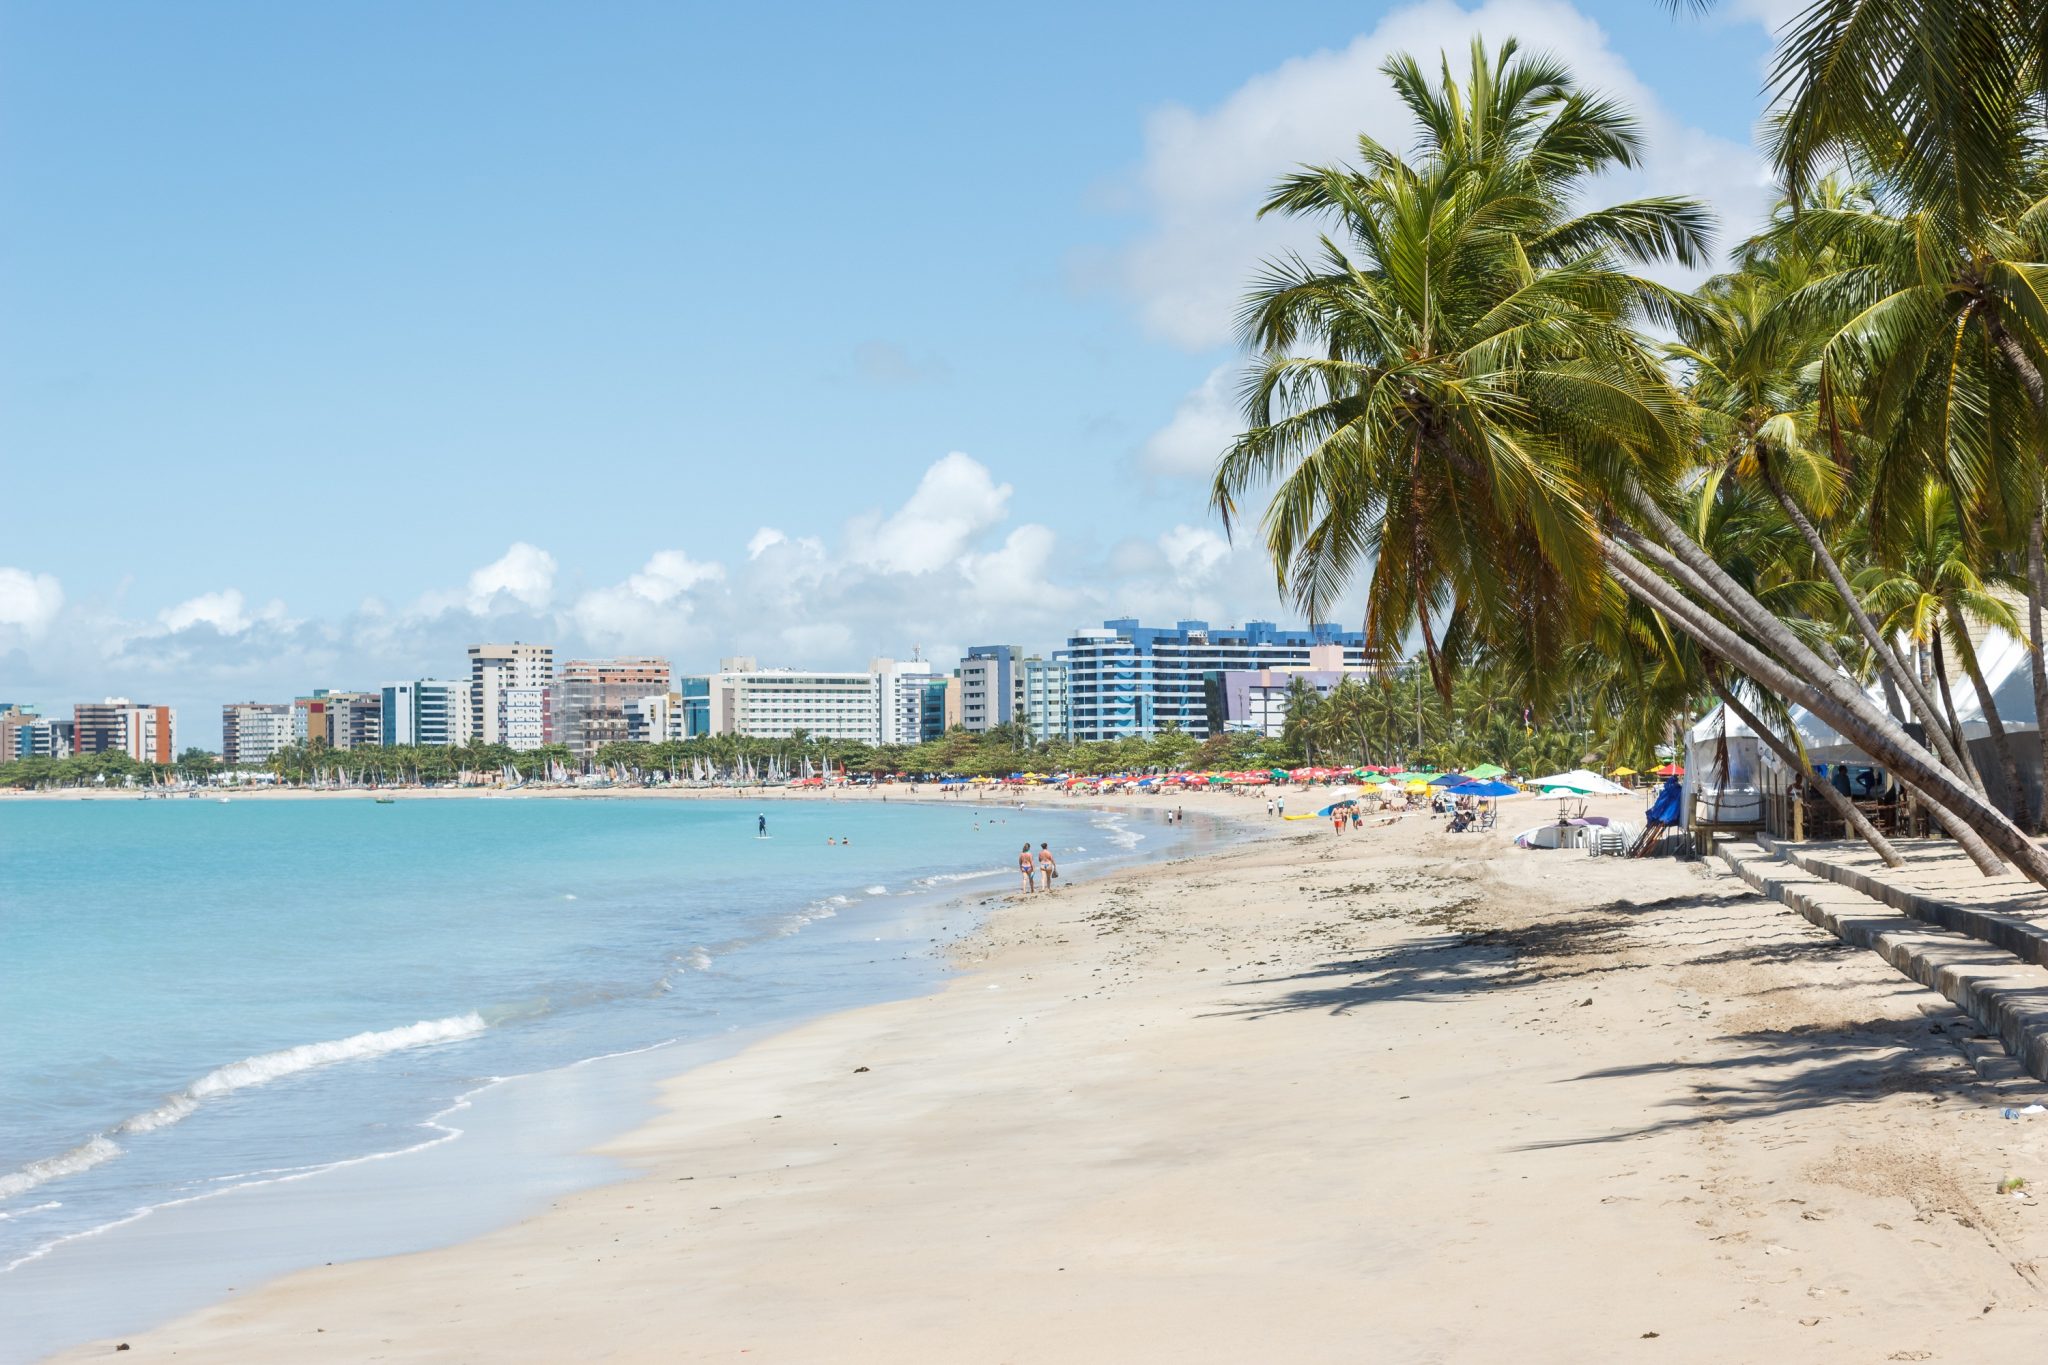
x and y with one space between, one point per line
1771 1071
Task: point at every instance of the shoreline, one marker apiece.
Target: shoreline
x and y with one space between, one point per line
611 1094
1394 1095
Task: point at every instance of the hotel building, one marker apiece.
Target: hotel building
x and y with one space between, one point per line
885 705
511 694
252 731
591 696
1127 679
684 713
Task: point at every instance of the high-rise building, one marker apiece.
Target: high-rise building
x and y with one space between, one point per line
311 723
355 720
1127 679
1044 709
429 712
683 713
991 686
15 724
1255 701
252 731
899 695
147 734
523 722
44 737
939 707
591 695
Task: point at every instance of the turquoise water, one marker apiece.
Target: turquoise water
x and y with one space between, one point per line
196 997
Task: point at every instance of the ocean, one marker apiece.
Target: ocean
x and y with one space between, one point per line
199 1000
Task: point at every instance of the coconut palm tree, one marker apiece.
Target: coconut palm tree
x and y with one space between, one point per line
1456 395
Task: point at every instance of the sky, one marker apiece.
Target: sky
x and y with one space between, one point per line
336 338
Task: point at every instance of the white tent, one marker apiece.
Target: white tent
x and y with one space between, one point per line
1736 795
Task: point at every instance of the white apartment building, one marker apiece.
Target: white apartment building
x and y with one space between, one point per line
251 732
881 706
1044 707
496 717
1002 685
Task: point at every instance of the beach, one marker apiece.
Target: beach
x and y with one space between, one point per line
1393 1095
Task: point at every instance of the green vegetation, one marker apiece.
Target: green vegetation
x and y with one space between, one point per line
1812 476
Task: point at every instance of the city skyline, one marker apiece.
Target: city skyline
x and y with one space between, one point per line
545 391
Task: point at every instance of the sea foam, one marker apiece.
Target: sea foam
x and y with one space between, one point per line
257 1070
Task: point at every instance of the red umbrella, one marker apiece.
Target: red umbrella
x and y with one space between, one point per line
1671 770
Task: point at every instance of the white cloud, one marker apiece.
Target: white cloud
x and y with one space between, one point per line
1202 427
1018 572
29 602
524 573
652 607
1204 172
763 540
1194 552
221 610
954 500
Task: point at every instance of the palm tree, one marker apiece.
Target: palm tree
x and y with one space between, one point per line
1428 390
1457 395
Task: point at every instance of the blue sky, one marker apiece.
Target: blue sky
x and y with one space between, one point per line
333 337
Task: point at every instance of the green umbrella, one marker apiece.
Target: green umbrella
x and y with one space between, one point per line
1484 771
1412 777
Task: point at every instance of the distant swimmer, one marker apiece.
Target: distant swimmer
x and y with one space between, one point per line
761 828
830 841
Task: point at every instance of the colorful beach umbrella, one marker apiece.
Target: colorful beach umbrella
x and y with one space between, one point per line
1488 789
1485 771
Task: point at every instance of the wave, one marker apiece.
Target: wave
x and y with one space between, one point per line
250 1071
942 878
95 1150
32 1208
1117 832
878 891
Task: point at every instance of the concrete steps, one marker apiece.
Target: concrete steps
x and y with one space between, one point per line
2005 995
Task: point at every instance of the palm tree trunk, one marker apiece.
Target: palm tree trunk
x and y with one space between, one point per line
1851 814
1975 825
1883 652
1713 583
1948 710
2001 744
2037 592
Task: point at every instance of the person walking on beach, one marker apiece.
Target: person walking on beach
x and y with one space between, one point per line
1027 867
1047 868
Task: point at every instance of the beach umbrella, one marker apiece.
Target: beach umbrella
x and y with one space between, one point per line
1417 787
1581 782
1413 777
1449 780
1488 788
1671 770
1485 771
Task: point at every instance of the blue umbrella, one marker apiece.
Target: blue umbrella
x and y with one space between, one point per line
1487 789
1449 780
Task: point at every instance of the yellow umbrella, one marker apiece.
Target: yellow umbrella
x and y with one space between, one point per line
1623 772
1417 788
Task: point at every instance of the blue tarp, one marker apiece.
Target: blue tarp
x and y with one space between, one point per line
1669 806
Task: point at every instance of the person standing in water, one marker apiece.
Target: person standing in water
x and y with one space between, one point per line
761 828
1027 868
1047 868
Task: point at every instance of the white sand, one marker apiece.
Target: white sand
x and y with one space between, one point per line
1390 1096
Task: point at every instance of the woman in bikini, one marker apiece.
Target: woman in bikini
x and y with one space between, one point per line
1047 868
1027 868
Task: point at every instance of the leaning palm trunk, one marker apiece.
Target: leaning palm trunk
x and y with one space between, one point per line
2037 592
1849 812
1884 653
2001 744
1975 825
1961 807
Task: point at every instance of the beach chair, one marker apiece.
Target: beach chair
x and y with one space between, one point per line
1487 818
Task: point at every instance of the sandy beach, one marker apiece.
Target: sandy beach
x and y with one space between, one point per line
1393 1095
